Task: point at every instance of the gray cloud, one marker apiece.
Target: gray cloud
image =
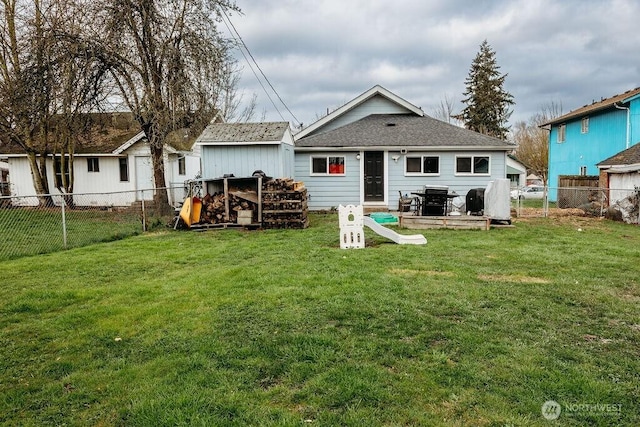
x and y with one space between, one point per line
320 54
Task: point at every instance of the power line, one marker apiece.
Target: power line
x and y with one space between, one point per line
235 34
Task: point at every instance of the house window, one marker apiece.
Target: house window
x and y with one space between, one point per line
327 165
562 132
182 166
472 165
585 125
124 169
57 168
424 165
93 164
583 170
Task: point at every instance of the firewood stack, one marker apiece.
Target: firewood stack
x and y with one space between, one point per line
284 204
213 208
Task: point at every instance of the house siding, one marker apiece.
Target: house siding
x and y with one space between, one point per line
374 105
243 160
634 118
107 180
88 185
606 136
326 192
398 182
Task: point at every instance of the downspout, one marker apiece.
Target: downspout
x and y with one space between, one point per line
628 120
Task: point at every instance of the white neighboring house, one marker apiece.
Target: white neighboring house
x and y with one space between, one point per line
516 172
107 167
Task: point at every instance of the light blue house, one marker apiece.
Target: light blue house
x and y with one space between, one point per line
379 146
582 138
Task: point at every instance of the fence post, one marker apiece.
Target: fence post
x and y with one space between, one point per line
64 223
144 216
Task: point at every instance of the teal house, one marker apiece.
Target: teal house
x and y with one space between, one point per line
581 139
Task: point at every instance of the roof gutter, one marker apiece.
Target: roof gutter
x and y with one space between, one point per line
628 121
409 148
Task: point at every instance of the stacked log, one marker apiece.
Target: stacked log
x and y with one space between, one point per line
284 204
214 208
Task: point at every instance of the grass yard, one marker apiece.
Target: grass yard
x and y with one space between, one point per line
33 231
281 327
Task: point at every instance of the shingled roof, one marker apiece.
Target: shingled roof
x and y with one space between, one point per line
595 106
243 132
108 133
400 130
630 156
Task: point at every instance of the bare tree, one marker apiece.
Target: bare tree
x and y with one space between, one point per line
168 61
444 111
230 100
533 140
46 83
25 85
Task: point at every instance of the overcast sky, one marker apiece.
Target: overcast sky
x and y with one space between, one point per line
321 54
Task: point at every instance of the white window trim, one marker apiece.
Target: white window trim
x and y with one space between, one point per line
90 164
563 126
312 173
584 125
183 160
455 165
422 156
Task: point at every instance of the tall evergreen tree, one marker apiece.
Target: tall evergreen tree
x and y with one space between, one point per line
487 103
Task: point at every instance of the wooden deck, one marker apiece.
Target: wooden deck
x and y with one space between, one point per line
460 222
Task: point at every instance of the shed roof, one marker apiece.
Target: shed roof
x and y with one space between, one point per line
243 132
630 156
391 130
596 106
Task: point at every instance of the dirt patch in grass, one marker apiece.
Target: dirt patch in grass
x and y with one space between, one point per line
512 278
410 272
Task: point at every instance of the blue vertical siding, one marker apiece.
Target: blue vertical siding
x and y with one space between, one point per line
243 160
634 116
606 137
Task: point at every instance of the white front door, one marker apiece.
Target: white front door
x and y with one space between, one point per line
144 178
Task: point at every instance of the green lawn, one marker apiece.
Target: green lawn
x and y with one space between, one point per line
33 231
281 327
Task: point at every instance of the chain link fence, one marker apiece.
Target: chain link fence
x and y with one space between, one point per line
616 204
32 225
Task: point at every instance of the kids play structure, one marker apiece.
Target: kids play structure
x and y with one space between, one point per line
352 221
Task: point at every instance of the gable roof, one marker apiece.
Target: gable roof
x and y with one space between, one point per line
402 130
108 131
628 157
377 90
224 133
603 104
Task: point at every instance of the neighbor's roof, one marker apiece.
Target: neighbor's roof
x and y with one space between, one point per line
630 156
603 104
243 132
400 130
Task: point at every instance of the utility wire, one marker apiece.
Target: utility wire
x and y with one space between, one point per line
236 35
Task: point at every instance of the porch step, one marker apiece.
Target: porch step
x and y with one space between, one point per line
371 209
